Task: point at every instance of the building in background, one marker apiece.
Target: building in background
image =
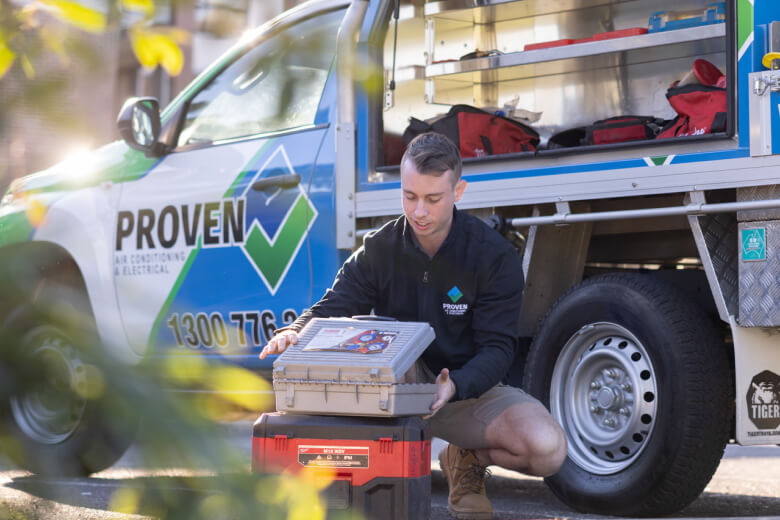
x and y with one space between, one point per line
77 105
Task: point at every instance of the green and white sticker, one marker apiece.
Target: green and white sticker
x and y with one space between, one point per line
754 244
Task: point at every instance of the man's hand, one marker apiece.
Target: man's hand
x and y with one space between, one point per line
445 389
279 343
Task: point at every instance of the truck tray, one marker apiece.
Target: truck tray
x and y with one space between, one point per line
343 366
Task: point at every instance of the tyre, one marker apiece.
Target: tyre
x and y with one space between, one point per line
60 413
640 382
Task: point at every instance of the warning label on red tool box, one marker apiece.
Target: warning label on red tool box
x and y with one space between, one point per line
333 456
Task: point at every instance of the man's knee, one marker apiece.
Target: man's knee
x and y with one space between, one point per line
547 447
530 432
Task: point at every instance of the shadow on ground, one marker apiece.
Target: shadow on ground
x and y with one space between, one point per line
185 496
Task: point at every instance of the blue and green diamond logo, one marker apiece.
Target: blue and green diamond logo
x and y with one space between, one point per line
277 221
455 294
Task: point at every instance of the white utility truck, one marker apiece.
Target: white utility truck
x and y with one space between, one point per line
628 148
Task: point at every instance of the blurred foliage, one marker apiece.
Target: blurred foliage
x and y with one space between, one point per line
47 325
121 402
159 46
25 29
46 44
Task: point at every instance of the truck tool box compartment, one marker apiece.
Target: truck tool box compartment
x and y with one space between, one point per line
556 66
344 366
381 467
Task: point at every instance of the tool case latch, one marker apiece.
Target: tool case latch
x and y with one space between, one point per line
289 396
384 398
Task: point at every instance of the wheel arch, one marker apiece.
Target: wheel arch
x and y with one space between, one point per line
32 266
38 261
695 254
557 257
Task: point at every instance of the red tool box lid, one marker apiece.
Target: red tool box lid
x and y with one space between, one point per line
547 45
622 33
271 425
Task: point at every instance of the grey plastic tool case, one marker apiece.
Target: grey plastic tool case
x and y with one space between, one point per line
339 382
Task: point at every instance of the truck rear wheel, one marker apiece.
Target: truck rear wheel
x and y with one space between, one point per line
60 411
639 380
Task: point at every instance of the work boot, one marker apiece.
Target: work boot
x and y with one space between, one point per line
466 478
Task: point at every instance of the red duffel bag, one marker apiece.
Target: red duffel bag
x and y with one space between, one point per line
478 133
622 128
701 104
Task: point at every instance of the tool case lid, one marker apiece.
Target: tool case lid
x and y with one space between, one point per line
299 426
348 350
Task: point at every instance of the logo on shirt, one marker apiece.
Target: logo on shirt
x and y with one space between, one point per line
455 308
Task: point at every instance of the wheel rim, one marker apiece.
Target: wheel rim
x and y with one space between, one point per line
604 394
51 410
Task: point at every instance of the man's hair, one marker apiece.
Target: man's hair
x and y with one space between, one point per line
433 154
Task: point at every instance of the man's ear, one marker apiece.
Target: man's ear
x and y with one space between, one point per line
460 187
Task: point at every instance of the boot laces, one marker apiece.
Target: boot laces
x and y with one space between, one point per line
474 477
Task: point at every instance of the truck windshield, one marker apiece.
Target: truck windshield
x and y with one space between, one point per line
275 86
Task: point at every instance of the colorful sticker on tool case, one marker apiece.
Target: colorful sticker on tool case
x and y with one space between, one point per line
350 339
333 456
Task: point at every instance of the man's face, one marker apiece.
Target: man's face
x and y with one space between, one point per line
428 201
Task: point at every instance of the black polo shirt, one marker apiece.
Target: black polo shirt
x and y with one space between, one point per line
469 292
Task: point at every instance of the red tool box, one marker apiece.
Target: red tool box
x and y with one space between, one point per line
547 45
381 466
622 33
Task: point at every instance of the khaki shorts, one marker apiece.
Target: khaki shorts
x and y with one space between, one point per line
464 423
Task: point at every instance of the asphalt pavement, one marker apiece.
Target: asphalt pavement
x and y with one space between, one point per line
746 486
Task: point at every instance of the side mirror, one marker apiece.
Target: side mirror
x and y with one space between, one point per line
139 124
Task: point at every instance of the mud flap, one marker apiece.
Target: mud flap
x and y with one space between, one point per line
757 366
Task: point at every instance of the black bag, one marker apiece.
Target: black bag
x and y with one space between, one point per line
567 138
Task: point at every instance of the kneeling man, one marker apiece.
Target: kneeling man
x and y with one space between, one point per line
448 268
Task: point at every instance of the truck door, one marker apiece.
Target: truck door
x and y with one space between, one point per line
211 243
